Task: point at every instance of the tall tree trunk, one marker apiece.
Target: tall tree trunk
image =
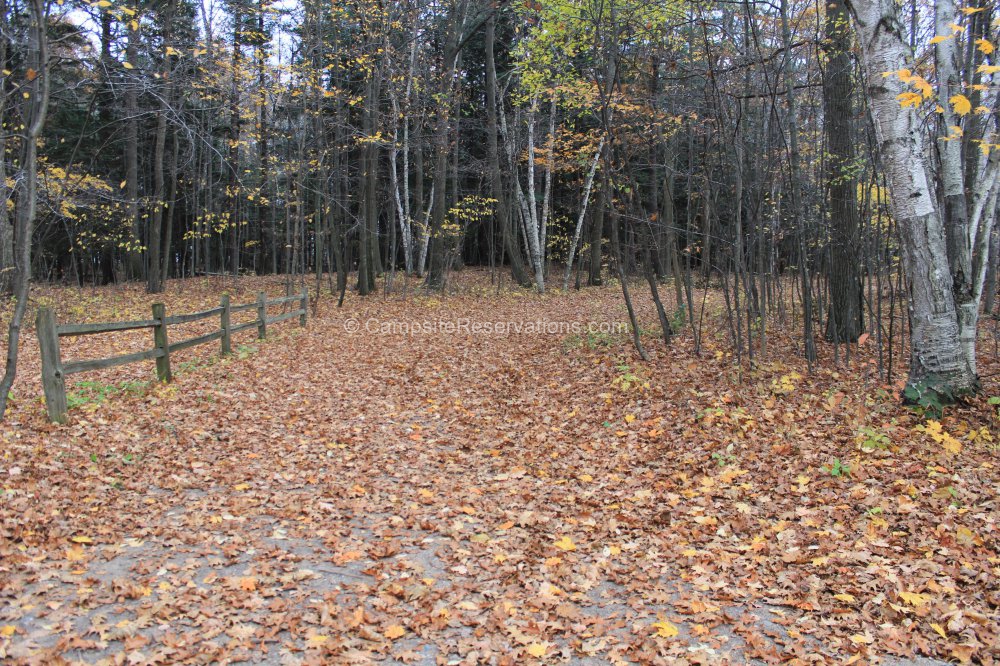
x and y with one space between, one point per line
154 284
794 189
170 214
132 154
264 198
588 184
846 318
533 233
368 239
508 234
937 360
454 25
35 107
154 277
7 267
232 211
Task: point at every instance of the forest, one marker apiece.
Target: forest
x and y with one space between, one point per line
628 332
747 141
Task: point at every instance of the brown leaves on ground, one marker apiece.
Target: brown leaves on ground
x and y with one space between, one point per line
378 496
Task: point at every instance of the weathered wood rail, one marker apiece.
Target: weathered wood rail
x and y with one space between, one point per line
54 370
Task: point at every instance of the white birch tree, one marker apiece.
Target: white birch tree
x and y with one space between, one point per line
944 242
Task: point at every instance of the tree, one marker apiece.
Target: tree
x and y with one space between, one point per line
34 107
845 320
944 243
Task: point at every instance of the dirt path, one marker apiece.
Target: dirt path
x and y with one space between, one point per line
446 497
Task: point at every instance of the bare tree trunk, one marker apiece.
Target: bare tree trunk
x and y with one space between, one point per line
231 213
796 196
35 107
543 231
7 267
588 184
508 233
155 275
154 284
436 271
532 223
132 154
405 229
264 197
596 235
846 318
368 246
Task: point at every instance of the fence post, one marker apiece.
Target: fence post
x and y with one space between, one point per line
53 381
227 339
261 315
304 306
160 341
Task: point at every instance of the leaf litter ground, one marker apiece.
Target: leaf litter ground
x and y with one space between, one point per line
452 496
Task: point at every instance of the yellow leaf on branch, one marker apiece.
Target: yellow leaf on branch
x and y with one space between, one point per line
925 88
960 103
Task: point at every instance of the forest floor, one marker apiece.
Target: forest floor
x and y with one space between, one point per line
536 494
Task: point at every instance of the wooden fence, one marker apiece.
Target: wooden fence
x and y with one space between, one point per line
54 370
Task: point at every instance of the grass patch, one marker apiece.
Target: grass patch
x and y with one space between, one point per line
91 393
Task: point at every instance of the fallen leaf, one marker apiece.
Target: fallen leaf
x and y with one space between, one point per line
665 629
914 598
536 650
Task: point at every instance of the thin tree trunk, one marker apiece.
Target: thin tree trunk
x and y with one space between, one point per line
796 196
455 23
155 277
132 154
588 184
508 234
35 107
7 267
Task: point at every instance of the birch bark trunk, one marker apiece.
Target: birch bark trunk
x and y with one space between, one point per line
583 213
938 359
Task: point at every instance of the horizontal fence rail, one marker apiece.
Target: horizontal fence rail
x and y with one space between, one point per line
54 370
